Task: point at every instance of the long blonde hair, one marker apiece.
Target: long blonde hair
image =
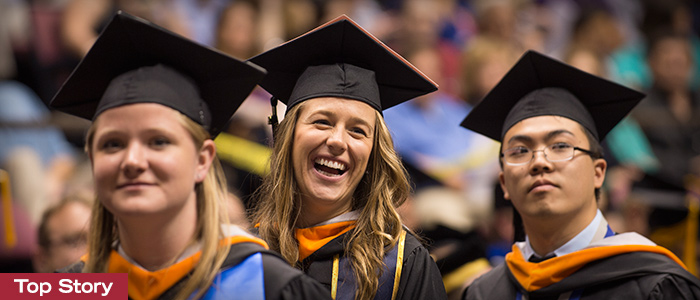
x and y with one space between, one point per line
383 188
211 194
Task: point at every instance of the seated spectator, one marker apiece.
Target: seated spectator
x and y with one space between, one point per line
62 234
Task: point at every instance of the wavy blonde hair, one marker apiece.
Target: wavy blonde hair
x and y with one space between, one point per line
383 188
211 194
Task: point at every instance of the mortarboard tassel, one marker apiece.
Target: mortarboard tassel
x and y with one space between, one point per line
10 234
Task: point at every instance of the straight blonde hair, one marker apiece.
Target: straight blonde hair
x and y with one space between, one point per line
383 188
211 194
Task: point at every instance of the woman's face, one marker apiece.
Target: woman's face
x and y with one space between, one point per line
333 140
145 162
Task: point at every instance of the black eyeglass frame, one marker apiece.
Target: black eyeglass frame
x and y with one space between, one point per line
589 152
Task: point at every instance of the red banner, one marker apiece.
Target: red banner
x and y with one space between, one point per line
50 286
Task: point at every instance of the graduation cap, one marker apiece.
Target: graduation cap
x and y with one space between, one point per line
135 61
341 59
538 85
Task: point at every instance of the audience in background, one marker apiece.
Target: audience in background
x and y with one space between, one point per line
468 45
35 152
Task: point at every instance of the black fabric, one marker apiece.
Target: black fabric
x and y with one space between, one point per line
73 268
351 57
634 275
420 277
550 101
465 247
337 80
129 43
535 259
675 143
156 84
605 101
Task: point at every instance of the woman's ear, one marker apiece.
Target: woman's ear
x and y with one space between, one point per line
205 157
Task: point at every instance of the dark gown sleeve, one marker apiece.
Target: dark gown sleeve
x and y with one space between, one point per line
420 276
674 287
303 287
284 282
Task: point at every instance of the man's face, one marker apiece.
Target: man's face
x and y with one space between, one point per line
544 191
67 231
671 64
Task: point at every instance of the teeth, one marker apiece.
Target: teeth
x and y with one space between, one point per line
330 164
327 174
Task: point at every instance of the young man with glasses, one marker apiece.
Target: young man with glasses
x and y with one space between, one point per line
550 119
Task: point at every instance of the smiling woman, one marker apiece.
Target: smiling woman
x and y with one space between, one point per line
159 214
329 203
332 144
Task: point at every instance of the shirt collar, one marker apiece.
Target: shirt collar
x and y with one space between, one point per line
348 216
580 241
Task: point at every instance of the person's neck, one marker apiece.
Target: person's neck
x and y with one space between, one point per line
156 242
312 215
547 234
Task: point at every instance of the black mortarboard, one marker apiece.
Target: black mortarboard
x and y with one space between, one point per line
135 61
538 85
341 59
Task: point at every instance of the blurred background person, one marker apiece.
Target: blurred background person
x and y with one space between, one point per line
196 19
629 64
447 213
41 42
483 62
83 20
62 234
237 29
670 119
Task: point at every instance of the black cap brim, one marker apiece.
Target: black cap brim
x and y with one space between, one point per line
128 43
342 41
607 102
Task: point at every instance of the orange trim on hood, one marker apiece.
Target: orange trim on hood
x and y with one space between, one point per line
144 284
313 238
534 276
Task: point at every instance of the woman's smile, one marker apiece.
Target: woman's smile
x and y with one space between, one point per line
329 168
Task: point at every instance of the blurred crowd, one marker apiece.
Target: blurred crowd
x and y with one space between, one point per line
465 46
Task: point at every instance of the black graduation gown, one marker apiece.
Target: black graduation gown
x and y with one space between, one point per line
280 280
631 275
420 277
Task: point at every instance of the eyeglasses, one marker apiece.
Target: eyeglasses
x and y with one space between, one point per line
557 152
